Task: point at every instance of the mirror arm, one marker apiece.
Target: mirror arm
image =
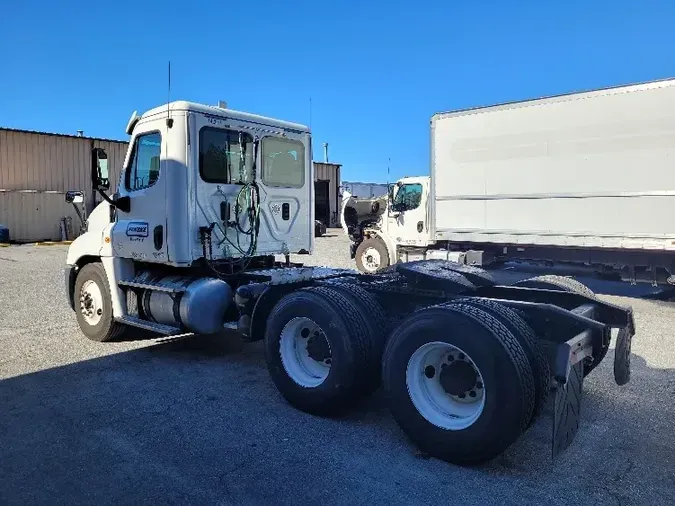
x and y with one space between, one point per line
83 223
122 203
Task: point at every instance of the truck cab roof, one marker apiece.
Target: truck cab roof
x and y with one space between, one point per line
414 179
212 110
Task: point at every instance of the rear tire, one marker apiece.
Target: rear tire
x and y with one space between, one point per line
372 256
93 305
430 408
325 376
376 320
552 282
528 341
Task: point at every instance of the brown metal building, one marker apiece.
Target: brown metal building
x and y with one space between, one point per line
36 170
327 193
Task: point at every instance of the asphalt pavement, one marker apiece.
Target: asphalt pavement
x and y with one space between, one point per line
198 421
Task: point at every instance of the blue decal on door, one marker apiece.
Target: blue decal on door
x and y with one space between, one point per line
137 229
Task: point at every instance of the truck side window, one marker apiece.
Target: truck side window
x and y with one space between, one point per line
220 156
283 162
143 169
408 197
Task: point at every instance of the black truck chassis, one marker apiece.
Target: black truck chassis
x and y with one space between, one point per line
571 326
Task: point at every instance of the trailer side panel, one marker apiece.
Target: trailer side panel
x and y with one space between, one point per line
589 170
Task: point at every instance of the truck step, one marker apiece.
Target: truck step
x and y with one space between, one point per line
160 328
168 288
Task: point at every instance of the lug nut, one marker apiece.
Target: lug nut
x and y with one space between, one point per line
472 393
462 395
479 384
461 356
429 371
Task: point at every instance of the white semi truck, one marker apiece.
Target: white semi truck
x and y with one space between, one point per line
209 199
586 179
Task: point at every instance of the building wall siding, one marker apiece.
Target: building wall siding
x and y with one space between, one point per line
330 172
37 161
364 190
36 216
36 169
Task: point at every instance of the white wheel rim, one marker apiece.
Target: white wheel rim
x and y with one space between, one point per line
448 411
371 259
91 302
299 338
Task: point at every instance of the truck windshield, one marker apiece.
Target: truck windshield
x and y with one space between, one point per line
225 156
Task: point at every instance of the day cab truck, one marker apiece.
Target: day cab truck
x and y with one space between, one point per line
210 205
584 180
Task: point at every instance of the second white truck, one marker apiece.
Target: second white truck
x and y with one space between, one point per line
586 178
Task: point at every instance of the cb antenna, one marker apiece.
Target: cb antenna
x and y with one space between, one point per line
388 168
169 121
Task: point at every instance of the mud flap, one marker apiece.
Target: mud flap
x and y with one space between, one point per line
622 356
567 412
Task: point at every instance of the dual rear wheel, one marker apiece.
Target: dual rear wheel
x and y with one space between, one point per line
463 379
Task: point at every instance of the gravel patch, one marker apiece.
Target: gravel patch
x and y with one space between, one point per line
199 421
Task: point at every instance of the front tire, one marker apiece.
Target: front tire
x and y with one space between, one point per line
93 305
372 256
458 382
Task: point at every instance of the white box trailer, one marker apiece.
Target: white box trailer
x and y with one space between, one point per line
592 169
586 177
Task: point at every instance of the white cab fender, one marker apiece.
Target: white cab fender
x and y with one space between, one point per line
388 242
117 269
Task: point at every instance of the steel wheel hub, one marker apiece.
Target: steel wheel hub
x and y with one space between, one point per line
445 386
91 302
305 352
371 259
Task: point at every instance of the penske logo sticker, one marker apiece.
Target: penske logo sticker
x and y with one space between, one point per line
137 229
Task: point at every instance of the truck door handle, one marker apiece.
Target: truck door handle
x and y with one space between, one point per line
224 211
158 237
420 226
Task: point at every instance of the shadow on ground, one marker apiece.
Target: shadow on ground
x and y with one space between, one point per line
198 421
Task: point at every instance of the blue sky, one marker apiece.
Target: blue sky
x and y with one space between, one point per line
376 71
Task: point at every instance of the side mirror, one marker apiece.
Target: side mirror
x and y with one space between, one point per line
99 172
74 197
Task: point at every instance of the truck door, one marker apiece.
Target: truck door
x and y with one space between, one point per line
225 152
141 233
408 215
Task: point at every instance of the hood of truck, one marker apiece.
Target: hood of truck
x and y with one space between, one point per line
361 211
